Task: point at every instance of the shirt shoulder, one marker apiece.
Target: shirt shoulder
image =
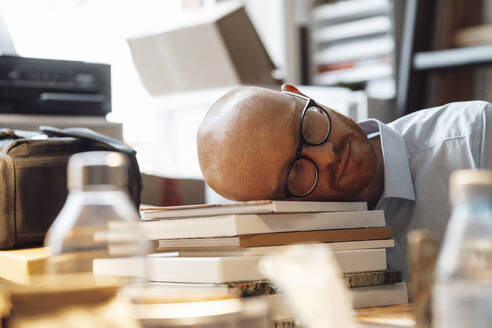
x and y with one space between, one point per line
430 127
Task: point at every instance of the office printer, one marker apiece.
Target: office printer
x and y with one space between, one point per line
54 87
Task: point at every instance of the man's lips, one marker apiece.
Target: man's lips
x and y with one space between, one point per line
343 163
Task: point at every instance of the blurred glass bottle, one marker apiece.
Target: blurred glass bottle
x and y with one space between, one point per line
462 294
98 223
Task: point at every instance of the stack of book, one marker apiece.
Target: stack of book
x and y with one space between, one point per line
212 251
352 42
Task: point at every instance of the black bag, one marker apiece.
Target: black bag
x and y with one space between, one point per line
33 178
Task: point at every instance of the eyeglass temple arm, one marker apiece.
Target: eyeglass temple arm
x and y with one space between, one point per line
295 95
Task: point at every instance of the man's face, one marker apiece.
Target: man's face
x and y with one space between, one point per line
346 161
248 140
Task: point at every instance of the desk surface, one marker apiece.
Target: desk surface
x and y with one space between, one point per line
387 316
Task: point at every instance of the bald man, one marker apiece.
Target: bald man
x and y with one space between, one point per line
251 146
258 143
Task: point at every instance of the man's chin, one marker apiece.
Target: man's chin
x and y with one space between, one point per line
352 186
349 193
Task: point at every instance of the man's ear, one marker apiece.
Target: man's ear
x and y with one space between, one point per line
291 88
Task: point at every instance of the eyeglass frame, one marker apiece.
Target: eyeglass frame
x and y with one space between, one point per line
302 141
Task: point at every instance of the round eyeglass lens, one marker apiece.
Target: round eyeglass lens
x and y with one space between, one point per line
315 126
303 177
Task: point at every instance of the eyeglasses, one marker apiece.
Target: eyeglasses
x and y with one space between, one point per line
314 130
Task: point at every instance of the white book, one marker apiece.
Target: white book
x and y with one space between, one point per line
355 74
361 260
222 311
251 207
349 9
214 270
355 50
246 224
186 291
176 290
165 268
371 296
358 28
218 246
382 295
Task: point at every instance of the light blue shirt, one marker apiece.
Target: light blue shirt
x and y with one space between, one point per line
420 151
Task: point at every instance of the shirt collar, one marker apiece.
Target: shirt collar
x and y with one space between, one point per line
397 177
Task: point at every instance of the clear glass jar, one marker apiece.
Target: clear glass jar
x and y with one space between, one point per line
98 222
462 294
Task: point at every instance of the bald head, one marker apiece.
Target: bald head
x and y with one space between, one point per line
244 141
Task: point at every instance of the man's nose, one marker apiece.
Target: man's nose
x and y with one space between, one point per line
323 155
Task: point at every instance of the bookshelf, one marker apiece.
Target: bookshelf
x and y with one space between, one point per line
352 44
442 43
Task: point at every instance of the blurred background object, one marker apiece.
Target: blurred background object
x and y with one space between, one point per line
240 313
161 191
423 249
352 43
221 48
463 284
72 303
320 299
444 53
98 221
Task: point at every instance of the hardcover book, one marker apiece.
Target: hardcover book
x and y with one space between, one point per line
175 291
247 224
250 207
228 246
224 269
373 278
282 238
169 291
382 295
21 265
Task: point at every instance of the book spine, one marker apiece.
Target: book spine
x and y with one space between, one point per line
252 288
193 248
273 223
284 323
352 280
343 235
246 224
364 279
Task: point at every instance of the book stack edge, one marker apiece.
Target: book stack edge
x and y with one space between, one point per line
217 247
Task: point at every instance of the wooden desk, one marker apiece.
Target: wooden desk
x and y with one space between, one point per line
386 316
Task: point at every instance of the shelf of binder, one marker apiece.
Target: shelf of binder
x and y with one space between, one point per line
352 42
